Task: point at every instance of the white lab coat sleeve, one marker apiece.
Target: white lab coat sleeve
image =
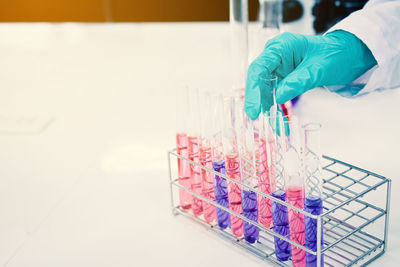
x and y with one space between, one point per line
378 26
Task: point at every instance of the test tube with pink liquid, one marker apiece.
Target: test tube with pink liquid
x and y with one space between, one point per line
294 181
209 211
266 147
194 141
265 154
182 148
232 163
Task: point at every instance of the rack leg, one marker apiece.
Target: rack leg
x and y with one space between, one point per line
389 185
174 212
319 237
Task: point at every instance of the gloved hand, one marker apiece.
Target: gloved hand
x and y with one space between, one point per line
303 62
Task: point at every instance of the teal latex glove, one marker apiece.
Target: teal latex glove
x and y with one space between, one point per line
303 62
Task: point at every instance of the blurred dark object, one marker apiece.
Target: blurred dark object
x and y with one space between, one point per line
292 10
117 10
328 12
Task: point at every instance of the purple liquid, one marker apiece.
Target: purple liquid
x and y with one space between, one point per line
281 226
221 195
250 211
313 205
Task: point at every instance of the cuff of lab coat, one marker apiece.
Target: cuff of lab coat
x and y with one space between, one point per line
368 31
362 26
376 25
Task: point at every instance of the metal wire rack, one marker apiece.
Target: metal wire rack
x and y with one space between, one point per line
354 222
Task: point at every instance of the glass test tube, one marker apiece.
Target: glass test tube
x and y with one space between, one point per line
232 164
313 202
279 211
266 149
182 148
209 210
266 27
263 155
270 14
194 150
218 162
294 181
246 146
238 19
268 83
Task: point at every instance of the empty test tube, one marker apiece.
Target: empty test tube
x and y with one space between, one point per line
232 164
194 150
218 162
182 148
209 210
238 20
313 202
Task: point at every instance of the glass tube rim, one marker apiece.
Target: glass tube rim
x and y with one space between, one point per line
312 126
268 78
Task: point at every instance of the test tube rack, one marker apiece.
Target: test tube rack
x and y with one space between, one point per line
355 218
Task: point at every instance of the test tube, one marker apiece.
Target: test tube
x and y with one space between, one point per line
182 148
209 211
263 168
265 149
313 202
279 211
294 180
238 19
266 27
218 164
248 171
232 164
194 150
270 14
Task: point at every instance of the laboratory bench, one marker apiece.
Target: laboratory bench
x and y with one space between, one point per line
86 119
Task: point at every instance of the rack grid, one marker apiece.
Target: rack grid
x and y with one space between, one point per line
355 219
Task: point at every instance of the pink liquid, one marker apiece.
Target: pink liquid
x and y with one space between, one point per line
295 197
209 210
182 148
264 204
234 193
272 169
195 173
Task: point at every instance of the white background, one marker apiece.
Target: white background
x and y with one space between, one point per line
91 189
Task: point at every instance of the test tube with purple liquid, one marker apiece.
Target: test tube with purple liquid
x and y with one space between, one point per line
245 130
313 202
279 212
218 162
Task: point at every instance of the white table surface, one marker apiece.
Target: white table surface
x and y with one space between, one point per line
91 188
